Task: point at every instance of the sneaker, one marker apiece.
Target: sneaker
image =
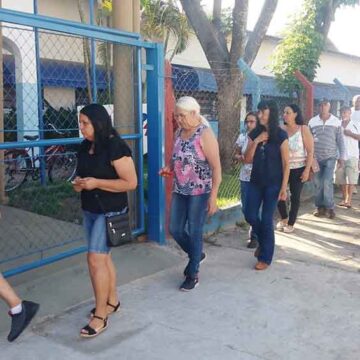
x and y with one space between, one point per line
202 259
319 212
253 244
288 229
189 284
20 321
331 214
280 225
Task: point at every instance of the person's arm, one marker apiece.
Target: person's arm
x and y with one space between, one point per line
238 154
126 172
252 145
309 147
210 147
341 146
284 149
351 134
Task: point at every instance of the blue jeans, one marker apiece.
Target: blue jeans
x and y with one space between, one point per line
244 189
95 231
267 197
187 218
323 182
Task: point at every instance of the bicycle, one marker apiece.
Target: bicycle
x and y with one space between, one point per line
22 164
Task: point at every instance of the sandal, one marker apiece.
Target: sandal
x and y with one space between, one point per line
91 332
342 203
116 308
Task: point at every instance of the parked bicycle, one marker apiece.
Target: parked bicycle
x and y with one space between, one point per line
23 164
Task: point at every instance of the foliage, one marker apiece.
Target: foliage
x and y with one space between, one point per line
162 19
302 44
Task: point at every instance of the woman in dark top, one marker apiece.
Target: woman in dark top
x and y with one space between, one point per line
268 151
105 173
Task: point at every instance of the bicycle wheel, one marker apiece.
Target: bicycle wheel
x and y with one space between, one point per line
17 165
63 167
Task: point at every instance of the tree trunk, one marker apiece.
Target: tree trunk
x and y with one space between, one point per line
229 113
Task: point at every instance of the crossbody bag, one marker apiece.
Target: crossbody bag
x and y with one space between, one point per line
118 229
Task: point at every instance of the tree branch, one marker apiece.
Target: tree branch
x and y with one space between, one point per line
240 14
213 44
217 14
255 39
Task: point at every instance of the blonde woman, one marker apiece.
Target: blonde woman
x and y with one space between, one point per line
197 177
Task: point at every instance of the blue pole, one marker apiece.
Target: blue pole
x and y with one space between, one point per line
93 54
156 147
255 80
141 202
40 100
347 92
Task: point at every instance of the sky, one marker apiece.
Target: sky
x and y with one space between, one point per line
344 30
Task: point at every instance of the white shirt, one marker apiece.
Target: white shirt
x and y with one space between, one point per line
351 144
355 116
242 143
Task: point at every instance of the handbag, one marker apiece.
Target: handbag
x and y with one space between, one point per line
314 164
118 231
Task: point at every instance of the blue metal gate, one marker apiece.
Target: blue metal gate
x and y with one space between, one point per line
44 86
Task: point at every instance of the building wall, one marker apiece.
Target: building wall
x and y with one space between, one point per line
342 66
60 97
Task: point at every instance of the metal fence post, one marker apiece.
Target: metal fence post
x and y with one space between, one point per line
155 107
93 54
40 100
345 90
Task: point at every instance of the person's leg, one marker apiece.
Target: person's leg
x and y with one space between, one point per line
345 192
178 219
296 186
21 312
352 177
270 199
319 186
113 297
98 259
197 210
328 189
253 204
8 294
244 195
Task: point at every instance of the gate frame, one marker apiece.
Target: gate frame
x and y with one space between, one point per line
155 112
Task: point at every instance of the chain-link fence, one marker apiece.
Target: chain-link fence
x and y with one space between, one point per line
202 84
47 78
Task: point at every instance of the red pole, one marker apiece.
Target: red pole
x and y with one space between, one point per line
309 89
169 135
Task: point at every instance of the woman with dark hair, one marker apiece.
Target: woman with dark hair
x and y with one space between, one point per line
105 173
301 153
251 122
268 151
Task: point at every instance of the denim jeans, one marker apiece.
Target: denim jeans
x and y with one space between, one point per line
267 197
187 218
95 231
244 189
323 182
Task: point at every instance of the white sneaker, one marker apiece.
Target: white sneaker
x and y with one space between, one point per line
288 229
280 225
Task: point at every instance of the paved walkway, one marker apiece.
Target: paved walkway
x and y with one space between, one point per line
306 306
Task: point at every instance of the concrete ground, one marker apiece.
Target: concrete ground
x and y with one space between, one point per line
305 306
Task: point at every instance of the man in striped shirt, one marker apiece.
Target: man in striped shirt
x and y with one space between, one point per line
329 149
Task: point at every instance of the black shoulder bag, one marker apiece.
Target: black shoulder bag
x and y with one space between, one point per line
117 227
